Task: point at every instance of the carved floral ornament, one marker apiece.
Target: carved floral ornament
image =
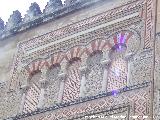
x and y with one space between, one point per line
119 41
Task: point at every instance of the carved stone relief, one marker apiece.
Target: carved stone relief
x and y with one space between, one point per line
137 100
117 77
142 67
156 106
94 76
100 37
72 82
53 86
33 93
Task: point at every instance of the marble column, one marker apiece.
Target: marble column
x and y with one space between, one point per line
106 64
43 85
129 59
62 78
24 90
83 80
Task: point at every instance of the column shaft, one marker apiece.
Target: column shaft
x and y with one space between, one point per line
104 82
62 77
83 80
22 102
41 99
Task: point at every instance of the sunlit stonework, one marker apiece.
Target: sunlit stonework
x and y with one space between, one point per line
81 60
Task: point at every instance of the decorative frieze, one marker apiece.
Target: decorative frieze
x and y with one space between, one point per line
83 39
99 103
83 25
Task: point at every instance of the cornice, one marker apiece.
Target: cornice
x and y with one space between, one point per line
42 18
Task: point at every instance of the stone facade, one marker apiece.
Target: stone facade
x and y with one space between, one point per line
86 61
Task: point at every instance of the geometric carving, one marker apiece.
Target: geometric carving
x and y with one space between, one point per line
142 67
149 30
32 53
137 101
33 93
95 37
53 86
124 43
115 112
117 73
72 82
94 75
126 38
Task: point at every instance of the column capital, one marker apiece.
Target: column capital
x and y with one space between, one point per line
43 79
83 69
43 83
44 69
24 88
62 76
106 63
129 56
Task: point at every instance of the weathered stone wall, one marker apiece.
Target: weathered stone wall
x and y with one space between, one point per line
157 66
8 47
141 65
158 16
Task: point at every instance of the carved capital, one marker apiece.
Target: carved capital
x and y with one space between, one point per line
106 63
43 83
83 70
62 76
44 73
24 88
44 70
129 56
